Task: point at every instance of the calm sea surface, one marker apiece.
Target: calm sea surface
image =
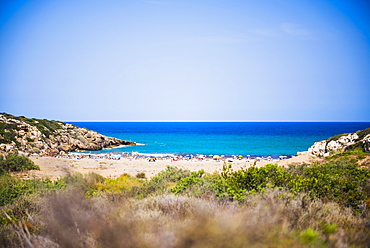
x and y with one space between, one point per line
228 138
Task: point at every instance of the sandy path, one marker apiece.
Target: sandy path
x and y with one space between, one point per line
55 168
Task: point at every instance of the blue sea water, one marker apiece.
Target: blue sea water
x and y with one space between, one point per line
227 138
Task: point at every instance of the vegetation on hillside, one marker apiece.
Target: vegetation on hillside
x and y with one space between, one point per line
319 205
7 133
358 146
13 162
361 134
46 127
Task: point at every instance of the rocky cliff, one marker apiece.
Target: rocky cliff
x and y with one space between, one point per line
24 135
342 143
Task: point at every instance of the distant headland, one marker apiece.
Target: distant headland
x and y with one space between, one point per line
48 137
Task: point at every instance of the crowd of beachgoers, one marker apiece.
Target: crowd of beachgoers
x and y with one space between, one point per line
112 165
171 157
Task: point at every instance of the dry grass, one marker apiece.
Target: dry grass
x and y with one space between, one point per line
272 219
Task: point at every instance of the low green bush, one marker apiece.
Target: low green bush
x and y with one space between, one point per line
163 181
11 188
342 181
235 184
361 134
195 178
141 175
14 162
157 185
173 174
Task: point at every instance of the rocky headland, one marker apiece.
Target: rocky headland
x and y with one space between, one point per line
359 140
47 137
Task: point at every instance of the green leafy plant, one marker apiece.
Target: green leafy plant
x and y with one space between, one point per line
195 178
141 175
14 162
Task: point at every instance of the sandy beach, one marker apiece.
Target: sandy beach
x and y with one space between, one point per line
54 168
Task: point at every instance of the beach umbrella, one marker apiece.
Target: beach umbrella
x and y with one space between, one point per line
216 156
240 156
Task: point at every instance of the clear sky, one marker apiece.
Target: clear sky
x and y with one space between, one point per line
186 60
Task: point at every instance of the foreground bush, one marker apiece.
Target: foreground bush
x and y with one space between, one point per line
342 181
14 162
11 188
321 205
271 219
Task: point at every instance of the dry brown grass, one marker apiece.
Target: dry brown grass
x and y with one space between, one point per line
272 219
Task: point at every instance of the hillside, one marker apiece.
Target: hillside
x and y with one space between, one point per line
359 140
46 137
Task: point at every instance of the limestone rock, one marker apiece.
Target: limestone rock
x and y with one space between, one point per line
340 143
318 149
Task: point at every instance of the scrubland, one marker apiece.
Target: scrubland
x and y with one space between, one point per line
324 204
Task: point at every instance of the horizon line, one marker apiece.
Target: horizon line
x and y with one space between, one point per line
215 121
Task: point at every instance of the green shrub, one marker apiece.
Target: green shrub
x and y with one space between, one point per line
11 188
162 182
14 162
2 170
361 134
342 181
252 179
355 149
336 137
185 183
141 175
157 185
173 174
78 182
123 183
310 237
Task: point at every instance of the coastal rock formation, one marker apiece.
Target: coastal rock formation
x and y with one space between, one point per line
24 135
342 143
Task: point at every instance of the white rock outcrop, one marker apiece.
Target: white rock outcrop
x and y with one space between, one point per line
341 143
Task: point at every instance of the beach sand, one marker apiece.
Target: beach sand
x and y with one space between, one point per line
54 168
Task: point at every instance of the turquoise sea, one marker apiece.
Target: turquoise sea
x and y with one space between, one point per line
227 138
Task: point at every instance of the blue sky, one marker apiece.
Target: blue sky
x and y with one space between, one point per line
186 60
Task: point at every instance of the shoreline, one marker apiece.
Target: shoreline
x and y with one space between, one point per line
109 167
